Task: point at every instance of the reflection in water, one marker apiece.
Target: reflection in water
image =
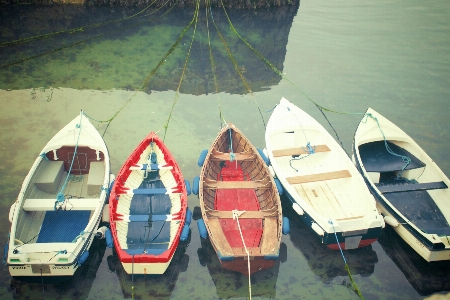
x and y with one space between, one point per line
78 286
121 55
231 284
327 264
425 277
158 286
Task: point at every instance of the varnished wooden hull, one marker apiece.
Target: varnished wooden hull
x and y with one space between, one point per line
234 178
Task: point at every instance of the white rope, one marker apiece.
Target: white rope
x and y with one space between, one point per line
236 213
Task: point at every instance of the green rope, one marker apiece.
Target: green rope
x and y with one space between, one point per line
73 30
193 21
405 159
74 44
355 287
213 65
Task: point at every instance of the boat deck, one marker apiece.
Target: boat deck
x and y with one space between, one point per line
240 199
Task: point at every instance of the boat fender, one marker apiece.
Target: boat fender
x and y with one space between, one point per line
263 156
391 221
286 227
5 253
272 256
224 257
105 213
279 186
109 238
100 233
317 229
202 157
298 209
11 211
272 171
112 178
195 185
184 233
83 257
202 228
188 217
188 187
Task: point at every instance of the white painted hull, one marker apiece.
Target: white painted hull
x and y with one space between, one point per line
33 251
410 221
325 187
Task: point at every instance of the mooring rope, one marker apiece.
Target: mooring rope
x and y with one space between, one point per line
236 213
405 159
60 197
166 125
235 64
355 287
73 30
213 64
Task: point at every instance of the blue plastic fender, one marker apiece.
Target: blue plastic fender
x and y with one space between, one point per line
196 185
202 228
279 186
285 227
188 187
5 253
202 157
263 156
109 238
185 233
188 217
83 257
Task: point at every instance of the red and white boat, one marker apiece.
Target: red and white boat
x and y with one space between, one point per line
147 206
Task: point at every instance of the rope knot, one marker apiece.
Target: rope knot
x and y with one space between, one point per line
237 213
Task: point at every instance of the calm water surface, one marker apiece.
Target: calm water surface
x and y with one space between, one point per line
393 56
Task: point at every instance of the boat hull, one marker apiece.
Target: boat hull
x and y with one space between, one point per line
320 180
240 204
421 224
51 236
147 207
340 240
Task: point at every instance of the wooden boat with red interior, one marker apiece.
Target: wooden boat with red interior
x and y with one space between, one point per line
148 205
240 204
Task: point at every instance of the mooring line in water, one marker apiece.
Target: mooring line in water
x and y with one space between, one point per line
355 287
147 79
75 30
236 66
76 43
195 18
213 65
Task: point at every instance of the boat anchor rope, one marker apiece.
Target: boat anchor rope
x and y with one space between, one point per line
236 213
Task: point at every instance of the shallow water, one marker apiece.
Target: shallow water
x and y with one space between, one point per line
346 56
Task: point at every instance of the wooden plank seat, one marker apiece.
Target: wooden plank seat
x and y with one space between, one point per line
299 151
217 155
152 167
50 175
257 184
70 204
95 177
319 177
256 214
396 188
219 239
269 239
145 218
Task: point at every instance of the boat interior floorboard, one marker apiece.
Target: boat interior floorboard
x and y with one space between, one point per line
149 234
420 209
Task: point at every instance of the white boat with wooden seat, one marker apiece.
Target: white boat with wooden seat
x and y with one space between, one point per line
411 190
60 205
320 180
